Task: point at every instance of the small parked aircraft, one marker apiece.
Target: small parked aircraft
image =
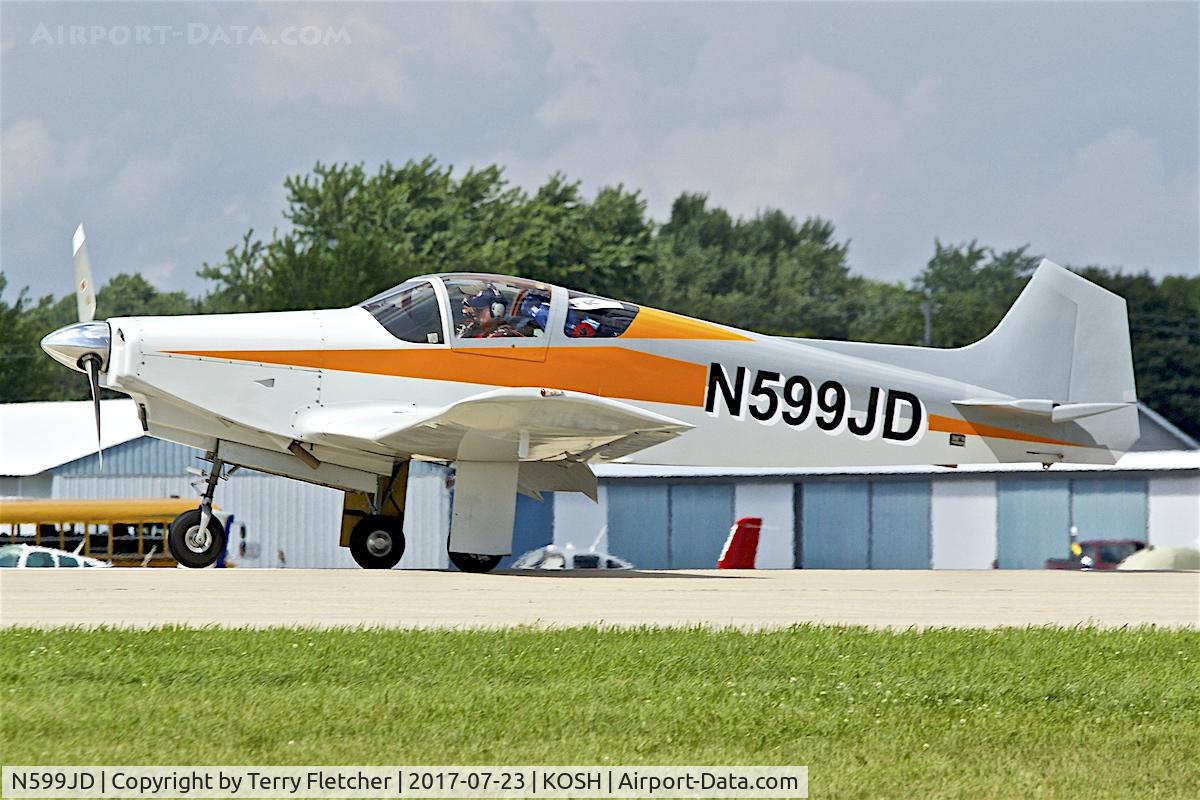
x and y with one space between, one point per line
523 385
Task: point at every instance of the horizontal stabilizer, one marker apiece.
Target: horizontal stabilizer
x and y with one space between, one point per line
1056 412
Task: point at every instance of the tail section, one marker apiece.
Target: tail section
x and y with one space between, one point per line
1065 339
1060 355
741 547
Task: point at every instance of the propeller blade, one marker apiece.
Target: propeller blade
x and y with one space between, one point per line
92 363
85 295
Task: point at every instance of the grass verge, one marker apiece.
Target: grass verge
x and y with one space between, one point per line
940 713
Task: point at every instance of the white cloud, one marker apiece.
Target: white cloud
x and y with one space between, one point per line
35 162
1116 203
795 133
148 176
396 56
367 69
160 274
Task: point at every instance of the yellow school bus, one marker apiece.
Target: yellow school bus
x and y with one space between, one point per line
129 533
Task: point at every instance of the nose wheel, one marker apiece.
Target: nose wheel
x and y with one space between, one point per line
377 542
197 538
193 544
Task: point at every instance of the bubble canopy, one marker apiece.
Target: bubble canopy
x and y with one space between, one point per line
437 309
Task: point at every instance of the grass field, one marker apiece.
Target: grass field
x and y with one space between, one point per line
943 713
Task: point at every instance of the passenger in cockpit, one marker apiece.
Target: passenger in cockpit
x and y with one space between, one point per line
533 315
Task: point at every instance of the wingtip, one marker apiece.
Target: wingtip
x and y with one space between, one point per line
78 239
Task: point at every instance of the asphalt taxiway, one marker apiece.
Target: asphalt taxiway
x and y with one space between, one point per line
746 599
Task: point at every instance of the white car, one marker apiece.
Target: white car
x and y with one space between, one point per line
28 556
555 558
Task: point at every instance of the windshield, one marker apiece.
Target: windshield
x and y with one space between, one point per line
10 555
1117 552
410 312
39 558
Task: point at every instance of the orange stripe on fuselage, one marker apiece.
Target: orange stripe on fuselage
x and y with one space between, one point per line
650 323
604 371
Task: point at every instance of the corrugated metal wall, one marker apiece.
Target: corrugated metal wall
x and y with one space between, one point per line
1174 511
638 520
772 503
863 525
835 525
669 526
25 486
1033 519
1109 508
1035 515
963 523
900 525
701 515
143 456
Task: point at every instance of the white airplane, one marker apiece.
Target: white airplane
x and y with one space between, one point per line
523 385
32 556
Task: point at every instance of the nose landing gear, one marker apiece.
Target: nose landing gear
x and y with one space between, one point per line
197 538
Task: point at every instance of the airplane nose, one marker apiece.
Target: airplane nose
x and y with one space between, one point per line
70 344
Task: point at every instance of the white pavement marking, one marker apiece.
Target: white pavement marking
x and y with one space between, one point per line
746 599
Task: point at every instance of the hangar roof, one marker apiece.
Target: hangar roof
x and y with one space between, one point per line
35 437
1162 461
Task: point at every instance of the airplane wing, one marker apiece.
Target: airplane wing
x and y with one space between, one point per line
522 424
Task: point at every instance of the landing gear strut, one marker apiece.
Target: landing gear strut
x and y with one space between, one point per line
197 538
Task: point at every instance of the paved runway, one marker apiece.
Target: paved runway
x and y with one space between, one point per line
765 599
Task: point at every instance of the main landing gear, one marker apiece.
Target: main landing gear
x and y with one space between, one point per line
482 520
196 538
474 562
377 542
373 523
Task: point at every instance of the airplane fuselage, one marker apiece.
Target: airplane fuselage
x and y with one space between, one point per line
753 400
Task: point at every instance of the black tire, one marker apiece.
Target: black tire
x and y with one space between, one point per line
190 549
474 562
377 542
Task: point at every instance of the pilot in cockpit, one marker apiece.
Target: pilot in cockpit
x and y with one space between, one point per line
484 316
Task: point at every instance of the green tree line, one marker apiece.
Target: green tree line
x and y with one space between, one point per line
352 233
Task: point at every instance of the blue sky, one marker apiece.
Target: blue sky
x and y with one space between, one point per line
1070 126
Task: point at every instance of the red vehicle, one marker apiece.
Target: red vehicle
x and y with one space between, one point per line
1097 554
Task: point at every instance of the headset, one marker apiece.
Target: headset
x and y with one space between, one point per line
492 298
